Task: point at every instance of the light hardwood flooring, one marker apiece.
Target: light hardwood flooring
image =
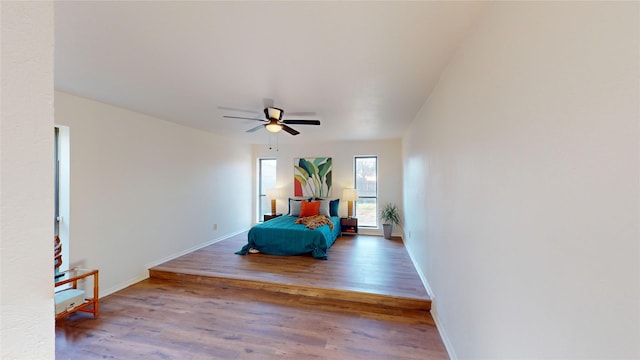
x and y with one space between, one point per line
213 308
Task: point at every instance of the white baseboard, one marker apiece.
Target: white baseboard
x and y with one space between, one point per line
443 334
434 310
423 278
372 232
144 274
123 285
375 232
189 250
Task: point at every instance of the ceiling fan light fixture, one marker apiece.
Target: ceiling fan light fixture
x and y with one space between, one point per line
273 127
273 113
273 121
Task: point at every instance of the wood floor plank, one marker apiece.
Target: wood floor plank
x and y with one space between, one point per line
365 302
366 269
160 319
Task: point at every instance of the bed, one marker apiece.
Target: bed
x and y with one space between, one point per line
282 236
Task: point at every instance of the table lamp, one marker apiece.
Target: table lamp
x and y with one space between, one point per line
273 194
350 195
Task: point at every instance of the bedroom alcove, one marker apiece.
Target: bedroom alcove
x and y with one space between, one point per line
361 270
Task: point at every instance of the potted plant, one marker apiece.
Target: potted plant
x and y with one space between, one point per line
390 216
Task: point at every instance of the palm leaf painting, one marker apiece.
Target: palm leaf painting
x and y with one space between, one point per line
312 177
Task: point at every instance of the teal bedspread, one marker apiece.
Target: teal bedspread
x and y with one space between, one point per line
282 236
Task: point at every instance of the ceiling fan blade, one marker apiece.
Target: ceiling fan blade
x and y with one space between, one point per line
244 118
255 128
301 122
290 130
239 110
302 113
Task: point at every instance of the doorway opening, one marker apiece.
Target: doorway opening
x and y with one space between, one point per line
61 191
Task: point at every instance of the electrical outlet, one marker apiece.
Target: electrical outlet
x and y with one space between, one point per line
215 227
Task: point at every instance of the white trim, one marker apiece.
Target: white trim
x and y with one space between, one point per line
434 309
369 231
122 285
443 334
64 189
192 249
423 278
145 272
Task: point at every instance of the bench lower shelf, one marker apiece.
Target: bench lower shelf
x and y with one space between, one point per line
72 299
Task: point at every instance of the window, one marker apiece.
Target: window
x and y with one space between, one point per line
61 191
266 180
56 203
56 182
366 180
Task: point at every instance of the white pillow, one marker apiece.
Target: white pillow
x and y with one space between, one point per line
324 208
294 207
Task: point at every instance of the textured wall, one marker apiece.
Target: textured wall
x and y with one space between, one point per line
26 189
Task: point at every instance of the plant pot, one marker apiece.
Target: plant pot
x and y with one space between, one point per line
387 229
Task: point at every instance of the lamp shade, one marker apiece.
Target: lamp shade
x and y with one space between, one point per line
271 193
349 194
275 193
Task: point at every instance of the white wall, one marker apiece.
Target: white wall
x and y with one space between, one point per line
342 153
26 190
144 190
522 185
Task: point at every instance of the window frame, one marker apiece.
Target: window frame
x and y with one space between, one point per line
56 181
61 190
262 191
355 184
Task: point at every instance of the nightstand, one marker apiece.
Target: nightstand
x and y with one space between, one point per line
348 226
270 216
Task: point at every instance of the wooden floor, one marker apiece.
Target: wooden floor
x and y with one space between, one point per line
366 269
215 308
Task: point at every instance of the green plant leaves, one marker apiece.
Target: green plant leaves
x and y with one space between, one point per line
314 175
390 214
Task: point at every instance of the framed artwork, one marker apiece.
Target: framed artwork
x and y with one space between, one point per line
312 177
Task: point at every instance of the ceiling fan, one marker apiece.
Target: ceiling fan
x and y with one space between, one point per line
273 121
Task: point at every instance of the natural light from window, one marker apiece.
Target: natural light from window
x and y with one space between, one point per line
266 180
366 180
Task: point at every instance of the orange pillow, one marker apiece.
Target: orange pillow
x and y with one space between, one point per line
309 208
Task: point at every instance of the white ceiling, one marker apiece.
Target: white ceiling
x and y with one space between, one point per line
364 68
